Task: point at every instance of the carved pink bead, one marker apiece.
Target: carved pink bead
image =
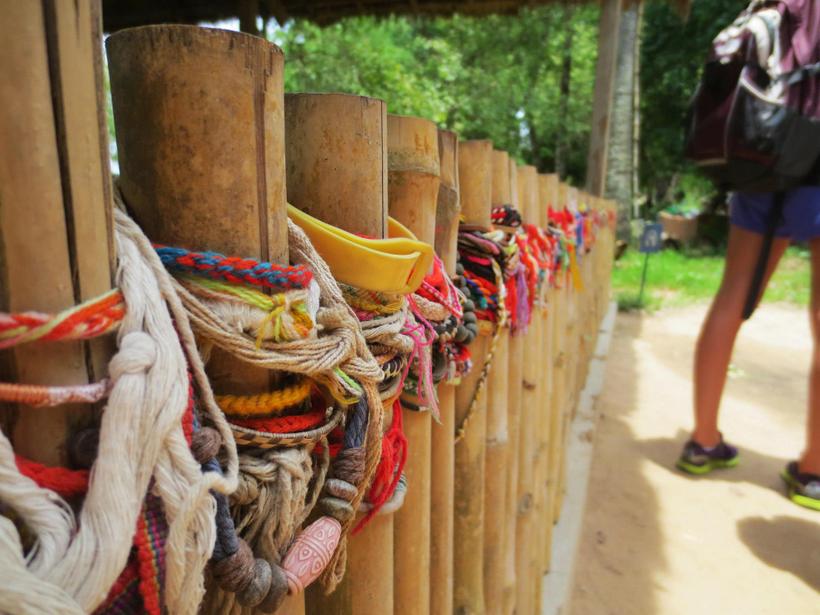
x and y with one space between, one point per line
311 553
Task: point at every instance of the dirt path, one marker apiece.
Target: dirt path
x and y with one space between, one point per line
658 542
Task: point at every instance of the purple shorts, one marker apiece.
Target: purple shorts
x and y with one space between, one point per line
801 212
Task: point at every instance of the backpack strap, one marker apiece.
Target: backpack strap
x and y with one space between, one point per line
775 216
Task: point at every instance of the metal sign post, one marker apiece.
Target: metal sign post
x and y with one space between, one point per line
650 243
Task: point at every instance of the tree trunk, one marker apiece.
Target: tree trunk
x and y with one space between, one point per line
622 163
563 100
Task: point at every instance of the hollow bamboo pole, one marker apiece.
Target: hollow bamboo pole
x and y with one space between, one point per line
337 160
588 302
201 150
575 299
336 149
475 184
559 397
443 446
55 206
544 390
201 142
413 185
571 353
524 547
534 422
497 440
514 396
547 189
540 427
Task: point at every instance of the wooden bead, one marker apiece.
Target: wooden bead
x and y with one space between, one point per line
205 444
277 593
349 465
259 587
339 509
341 489
235 572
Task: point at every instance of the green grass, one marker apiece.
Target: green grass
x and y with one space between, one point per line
681 278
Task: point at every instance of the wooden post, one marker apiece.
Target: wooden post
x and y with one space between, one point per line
514 396
587 316
559 397
201 142
496 463
337 171
573 327
475 184
547 189
201 150
608 29
55 205
527 437
413 184
337 160
550 198
443 447
537 366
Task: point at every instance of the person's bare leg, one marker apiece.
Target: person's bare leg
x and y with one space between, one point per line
719 330
810 461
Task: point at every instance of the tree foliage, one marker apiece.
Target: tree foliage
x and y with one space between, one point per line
672 54
496 77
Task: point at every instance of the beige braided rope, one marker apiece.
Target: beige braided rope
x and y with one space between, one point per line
76 561
339 345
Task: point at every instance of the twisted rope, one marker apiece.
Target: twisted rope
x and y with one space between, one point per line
78 560
234 269
264 404
40 396
91 319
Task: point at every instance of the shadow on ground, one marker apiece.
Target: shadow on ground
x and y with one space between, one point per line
755 468
786 543
604 553
659 542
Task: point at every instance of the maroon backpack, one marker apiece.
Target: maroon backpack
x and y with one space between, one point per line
754 122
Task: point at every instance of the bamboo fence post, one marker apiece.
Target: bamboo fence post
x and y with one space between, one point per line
443 436
201 142
590 294
572 197
475 184
553 324
496 464
547 189
602 256
524 529
514 395
571 352
559 397
583 318
610 209
55 205
537 421
201 149
413 184
337 171
544 390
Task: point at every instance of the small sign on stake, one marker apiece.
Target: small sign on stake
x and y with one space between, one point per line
651 238
651 242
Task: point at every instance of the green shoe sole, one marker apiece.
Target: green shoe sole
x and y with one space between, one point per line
707 467
796 497
804 500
